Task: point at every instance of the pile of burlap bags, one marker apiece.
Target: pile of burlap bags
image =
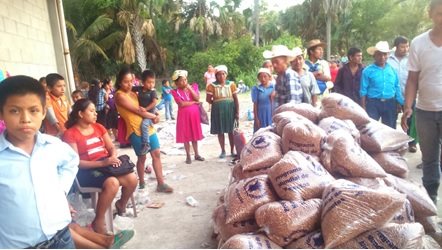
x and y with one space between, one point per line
329 178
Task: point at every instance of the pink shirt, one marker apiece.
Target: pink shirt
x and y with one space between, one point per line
210 77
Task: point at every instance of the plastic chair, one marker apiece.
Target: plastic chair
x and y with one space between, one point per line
109 216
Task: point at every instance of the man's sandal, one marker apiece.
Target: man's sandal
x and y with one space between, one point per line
199 158
164 189
122 238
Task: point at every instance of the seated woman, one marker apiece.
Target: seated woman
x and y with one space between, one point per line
94 146
127 105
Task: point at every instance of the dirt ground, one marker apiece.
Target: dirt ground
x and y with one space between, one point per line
178 225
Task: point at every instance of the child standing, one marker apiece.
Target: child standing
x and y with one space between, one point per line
147 98
77 95
33 186
167 100
58 104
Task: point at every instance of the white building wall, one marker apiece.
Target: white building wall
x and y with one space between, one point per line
30 40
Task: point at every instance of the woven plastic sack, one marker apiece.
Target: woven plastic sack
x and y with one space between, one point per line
392 162
342 107
313 240
245 196
429 223
391 236
250 241
377 137
238 173
430 243
350 209
282 119
416 194
348 159
331 124
285 221
262 151
298 176
227 230
303 109
305 137
405 215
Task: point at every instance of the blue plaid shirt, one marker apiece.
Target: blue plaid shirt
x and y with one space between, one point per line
288 88
100 100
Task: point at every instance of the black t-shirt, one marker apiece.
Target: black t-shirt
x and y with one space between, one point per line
146 98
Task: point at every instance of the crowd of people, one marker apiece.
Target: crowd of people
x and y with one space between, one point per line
39 120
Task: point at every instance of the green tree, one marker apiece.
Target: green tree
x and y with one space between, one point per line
134 17
88 36
331 9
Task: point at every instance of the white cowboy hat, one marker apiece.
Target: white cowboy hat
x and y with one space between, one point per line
297 51
279 50
381 46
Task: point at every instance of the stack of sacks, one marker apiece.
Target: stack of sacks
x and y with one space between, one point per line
324 179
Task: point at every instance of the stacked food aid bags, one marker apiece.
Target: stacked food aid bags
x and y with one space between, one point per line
329 178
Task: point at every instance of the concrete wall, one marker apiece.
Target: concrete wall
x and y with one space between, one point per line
30 40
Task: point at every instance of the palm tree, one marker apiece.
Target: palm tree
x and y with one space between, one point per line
133 16
87 36
331 9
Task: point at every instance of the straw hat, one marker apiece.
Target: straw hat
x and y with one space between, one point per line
279 50
381 46
315 42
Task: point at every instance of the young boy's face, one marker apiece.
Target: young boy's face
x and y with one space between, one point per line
23 115
58 89
166 84
149 84
76 97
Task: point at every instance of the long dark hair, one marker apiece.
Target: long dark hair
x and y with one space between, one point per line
120 77
80 105
93 91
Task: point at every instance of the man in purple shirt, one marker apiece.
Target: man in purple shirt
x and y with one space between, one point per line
348 80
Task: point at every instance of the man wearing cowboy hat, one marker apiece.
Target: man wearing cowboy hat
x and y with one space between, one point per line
319 67
380 92
288 86
309 85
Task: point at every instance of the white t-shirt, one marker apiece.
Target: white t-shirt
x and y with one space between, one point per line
426 58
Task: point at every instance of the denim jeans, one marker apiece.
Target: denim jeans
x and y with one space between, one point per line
62 240
168 109
386 110
429 131
145 129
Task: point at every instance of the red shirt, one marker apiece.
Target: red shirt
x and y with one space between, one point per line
90 147
333 73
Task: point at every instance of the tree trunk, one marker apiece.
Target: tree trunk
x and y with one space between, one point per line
328 31
257 23
137 37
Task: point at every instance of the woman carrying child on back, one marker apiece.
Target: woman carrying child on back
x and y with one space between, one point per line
94 146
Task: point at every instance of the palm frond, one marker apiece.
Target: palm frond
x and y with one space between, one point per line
97 27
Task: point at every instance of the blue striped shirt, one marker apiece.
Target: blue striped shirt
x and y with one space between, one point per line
381 83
